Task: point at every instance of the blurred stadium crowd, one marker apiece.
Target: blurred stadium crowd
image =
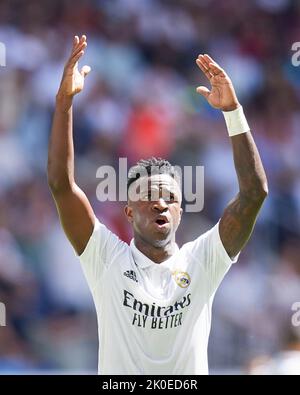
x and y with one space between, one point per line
140 100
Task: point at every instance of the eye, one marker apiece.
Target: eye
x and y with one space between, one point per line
172 198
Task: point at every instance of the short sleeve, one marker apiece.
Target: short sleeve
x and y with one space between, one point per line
95 258
209 251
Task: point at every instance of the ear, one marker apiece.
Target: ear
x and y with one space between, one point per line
180 212
128 213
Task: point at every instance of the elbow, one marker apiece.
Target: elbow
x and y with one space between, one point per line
57 181
264 190
58 186
53 183
261 193
51 177
256 195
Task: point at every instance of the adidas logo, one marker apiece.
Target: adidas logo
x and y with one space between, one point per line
131 274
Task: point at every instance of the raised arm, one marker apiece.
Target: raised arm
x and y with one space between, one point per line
239 216
75 212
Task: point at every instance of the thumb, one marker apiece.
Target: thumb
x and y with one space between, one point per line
202 90
85 70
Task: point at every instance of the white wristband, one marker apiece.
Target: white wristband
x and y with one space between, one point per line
236 121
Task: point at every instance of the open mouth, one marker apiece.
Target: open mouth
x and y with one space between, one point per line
161 221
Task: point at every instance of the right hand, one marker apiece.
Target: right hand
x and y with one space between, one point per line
73 80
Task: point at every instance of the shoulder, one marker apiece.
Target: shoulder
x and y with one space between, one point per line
103 242
210 236
209 246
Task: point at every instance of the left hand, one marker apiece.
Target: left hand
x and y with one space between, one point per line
222 94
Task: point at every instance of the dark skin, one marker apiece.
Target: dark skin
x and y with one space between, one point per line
156 241
239 216
75 212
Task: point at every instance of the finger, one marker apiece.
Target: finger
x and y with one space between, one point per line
216 70
75 53
83 38
203 69
202 65
214 67
204 61
79 48
75 59
202 90
75 43
75 40
85 70
208 59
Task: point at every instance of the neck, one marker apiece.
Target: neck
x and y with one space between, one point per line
156 254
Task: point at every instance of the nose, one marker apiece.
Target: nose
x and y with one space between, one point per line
160 205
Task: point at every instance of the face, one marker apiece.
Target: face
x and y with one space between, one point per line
154 209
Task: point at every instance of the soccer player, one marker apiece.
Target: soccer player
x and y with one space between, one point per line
153 299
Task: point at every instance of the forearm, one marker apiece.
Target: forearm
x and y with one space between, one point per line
250 172
61 148
239 216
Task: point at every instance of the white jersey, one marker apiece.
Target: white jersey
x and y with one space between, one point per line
153 318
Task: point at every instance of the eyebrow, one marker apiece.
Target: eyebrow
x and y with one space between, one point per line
164 191
168 188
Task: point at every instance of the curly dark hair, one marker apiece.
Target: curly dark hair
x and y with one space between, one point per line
150 167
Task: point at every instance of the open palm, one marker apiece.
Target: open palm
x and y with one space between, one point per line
73 80
222 94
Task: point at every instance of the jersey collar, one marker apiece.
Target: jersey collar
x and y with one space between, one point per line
143 261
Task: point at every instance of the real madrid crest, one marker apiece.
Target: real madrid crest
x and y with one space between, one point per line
182 279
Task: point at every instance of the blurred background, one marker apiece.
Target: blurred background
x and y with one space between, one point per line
140 100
